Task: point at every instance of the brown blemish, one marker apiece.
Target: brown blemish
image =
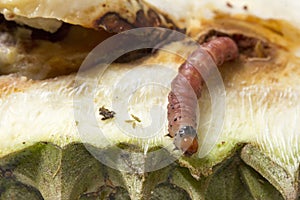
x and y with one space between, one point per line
60 34
9 27
141 19
114 23
229 5
154 18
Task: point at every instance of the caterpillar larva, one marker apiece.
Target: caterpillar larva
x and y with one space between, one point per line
186 89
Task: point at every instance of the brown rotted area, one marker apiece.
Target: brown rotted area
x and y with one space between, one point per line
114 23
35 64
9 27
9 35
60 34
6 38
38 54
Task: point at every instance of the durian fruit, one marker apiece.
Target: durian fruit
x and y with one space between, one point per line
51 149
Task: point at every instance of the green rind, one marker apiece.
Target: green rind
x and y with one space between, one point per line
10 189
46 171
226 183
274 173
259 188
203 166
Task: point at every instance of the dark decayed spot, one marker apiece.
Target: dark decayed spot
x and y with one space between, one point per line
229 5
9 27
113 23
60 34
133 55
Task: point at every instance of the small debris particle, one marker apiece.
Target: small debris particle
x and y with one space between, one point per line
23 142
229 5
135 118
107 114
133 121
223 142
245 7
133 125
129 121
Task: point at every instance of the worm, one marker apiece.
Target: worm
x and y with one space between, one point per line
186 89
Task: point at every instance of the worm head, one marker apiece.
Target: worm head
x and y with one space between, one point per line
186 140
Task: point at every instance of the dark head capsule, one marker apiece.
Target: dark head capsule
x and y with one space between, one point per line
186 140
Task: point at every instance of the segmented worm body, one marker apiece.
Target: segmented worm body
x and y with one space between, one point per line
186 90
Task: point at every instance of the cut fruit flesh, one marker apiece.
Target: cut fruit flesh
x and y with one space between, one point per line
262 109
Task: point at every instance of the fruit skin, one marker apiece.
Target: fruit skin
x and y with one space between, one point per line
46 171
